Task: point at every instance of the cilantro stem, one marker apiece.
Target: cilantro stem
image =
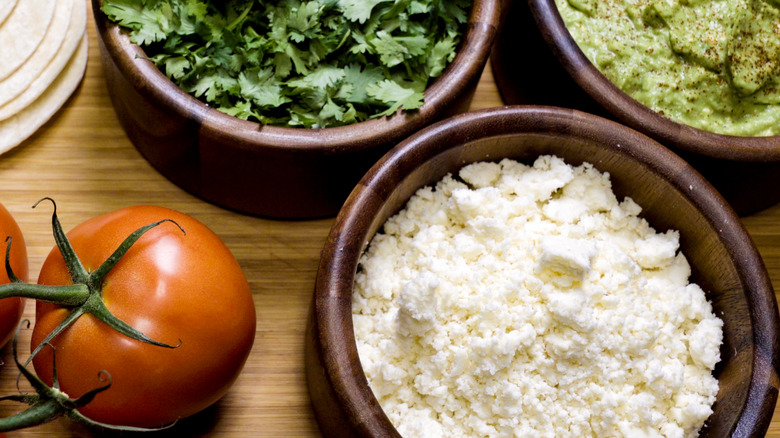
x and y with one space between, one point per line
240 19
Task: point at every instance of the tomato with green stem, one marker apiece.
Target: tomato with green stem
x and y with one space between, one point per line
48 402
11 309
166 312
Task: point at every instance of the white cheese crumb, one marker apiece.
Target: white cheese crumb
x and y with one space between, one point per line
528 301
565 261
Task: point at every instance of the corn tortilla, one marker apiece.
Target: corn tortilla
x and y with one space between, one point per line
73 36
20 79
22 32
18 128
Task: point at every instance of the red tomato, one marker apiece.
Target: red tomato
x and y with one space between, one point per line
173 287
11 308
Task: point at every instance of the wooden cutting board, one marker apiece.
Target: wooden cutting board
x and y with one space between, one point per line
83 160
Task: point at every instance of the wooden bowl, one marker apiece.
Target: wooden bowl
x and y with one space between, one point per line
672 194
264 170
536 61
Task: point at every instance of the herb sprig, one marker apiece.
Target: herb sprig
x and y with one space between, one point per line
313 64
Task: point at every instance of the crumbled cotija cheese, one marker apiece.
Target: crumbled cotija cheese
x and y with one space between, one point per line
527 301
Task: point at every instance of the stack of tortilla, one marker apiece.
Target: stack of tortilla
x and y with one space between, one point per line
44 55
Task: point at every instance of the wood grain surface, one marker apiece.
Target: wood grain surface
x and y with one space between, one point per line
83 160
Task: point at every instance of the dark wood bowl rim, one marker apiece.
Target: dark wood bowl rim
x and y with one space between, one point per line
463 71
637 115
349 236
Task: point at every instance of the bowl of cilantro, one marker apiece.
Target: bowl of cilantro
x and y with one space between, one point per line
278 108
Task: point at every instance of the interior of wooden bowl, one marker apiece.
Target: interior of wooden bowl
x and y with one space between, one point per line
601 90
672 195
443 97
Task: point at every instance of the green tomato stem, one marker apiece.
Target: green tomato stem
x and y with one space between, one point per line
77 272
38 413
49 403
74 314
100 311
95 279
66 296
8 270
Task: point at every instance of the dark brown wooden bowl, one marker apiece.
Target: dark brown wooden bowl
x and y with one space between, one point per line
672 194
535 60
264 170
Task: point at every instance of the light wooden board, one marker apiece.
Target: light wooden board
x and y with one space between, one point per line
83 160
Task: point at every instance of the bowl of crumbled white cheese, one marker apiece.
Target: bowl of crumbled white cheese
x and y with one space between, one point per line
536 271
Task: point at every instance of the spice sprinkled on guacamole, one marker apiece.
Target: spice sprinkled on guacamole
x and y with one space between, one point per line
711 64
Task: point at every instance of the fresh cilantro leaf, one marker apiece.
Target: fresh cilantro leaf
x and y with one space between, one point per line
146 24
442 53
454 10
391 51
419 7
323 77
262 88
360 79
350 115
283 65
398 95
358 10
175 67
415 45
242 109
361 43
195 8
304 21
329 111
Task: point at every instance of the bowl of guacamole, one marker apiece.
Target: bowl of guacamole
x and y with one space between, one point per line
700 76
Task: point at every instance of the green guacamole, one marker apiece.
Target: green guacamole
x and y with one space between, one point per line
711 64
